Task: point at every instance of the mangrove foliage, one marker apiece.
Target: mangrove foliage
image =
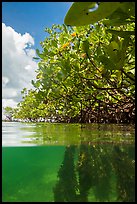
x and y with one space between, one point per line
85 73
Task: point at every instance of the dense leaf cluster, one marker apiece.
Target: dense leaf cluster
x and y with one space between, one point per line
86 73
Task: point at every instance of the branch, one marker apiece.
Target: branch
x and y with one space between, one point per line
127 75
95 86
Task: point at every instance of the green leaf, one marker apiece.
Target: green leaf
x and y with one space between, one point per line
99 52
54 43
33 83
116 22
119 14
36 58
85 46
114 45
112 51
65 29
39 54
77 44
36 84
122 34
45 50
128 7
108 64
83 13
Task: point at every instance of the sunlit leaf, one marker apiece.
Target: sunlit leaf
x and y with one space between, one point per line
83 13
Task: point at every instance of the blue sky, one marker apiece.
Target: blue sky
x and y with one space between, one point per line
34 17
23 24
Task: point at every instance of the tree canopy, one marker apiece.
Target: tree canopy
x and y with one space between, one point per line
86 73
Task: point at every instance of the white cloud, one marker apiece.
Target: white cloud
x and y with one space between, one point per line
18 67
9 102
5 80
8 93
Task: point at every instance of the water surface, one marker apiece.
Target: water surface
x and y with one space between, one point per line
67 162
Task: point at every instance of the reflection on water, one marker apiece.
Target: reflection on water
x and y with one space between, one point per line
84 165
66 187
26 134
101 173
65 174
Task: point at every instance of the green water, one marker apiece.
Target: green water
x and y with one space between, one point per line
65 163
